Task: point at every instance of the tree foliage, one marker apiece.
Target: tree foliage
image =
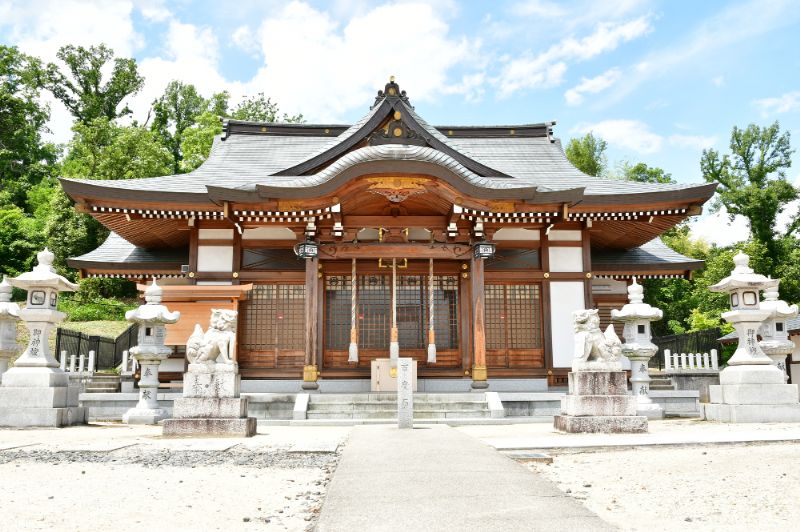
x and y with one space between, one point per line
752 181
25 159
588 154
175 111
82 89
641 173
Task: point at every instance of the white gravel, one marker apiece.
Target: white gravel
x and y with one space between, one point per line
713 487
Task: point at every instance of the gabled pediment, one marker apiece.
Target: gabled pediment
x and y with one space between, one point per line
391 120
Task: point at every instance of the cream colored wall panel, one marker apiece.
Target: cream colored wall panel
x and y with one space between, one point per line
565 298
566 259
214 258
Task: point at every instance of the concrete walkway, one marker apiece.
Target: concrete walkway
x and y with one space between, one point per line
436 478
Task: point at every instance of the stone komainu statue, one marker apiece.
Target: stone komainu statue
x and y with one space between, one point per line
216 345
595 350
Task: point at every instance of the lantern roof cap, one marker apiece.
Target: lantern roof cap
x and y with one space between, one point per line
743 276
8 309
43 275
152 311
779 309
637 309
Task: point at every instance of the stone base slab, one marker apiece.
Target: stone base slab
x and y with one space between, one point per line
752 374
19 417
216 384
601 424
144 416
43 397
598 405
241 427
650 411
23 377
209 407
752 413
598 383
754 394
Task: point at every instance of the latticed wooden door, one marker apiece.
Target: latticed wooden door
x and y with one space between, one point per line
374 318
514 326
272 327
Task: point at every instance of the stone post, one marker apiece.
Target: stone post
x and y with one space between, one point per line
774 331
152 318
9 316
405 394
35 392
751 389
637 316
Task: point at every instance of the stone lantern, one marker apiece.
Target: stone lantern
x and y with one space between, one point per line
774 331
9 316
751 389
151 318
638 348
35 392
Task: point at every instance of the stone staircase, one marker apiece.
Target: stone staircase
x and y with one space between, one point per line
659 381
376 406
102 383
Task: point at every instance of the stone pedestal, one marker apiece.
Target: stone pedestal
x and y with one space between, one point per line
598 401
210 405
146 411
35 392
753 394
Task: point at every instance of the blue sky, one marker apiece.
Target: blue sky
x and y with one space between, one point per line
659 80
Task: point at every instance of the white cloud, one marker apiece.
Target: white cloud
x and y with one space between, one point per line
717 228
246 40
784 103
630 134
547 68
538 8
154 10
718 81
331 69
696 142
574 96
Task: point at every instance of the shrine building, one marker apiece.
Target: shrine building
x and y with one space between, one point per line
464 247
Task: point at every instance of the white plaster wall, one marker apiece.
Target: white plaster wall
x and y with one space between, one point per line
214 258
269 233
214 283
516 233
570 235
566 259
794 369
215 234
565 298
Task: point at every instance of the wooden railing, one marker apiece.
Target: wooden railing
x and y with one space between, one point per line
674 362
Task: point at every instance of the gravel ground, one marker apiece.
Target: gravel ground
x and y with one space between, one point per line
711 487
157 484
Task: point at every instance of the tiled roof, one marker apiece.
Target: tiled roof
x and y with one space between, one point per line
118 250
653 253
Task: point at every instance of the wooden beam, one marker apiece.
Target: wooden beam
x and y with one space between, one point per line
390 250
311 312
478 319
395 222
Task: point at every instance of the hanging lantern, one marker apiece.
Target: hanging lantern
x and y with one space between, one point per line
483 250
306 250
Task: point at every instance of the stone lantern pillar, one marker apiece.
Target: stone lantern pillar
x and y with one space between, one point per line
152 318
638 348
9 316
35 392
774 332
751 388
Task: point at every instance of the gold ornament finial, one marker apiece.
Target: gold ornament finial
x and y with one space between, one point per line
391 79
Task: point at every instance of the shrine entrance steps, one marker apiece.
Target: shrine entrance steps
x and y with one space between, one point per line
99 383
377 406
659 381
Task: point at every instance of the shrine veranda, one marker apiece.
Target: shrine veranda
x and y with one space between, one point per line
468 248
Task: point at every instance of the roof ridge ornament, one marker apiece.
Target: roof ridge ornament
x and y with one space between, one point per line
391 90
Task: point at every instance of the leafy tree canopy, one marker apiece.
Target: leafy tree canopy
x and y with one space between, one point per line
83 91
641 173
24 158
175 111
752 180
588 154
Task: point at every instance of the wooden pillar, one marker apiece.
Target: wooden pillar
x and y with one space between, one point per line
311 369
479 375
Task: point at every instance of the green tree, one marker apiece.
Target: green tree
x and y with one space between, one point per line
752 181
83 91
103 150
588 154
21 236
24 158
641 173
175 111
259 108
197 140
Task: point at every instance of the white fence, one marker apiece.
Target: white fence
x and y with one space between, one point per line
84 365
691 361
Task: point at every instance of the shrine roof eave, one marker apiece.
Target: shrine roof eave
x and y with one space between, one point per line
651 256
84 190
695 194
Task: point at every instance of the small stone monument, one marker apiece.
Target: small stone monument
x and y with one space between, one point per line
751 389
151 318
774 332
9 316
637 316
211 405
598 398
405 394
35 392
